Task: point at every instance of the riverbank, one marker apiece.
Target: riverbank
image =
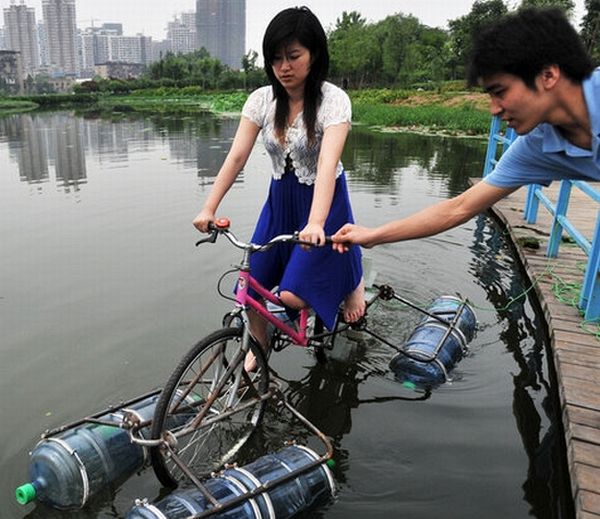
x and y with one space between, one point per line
450 112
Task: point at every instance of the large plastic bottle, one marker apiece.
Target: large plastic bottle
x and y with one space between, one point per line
67 469
279 502
434 348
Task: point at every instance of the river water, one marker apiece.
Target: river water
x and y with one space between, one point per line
102 292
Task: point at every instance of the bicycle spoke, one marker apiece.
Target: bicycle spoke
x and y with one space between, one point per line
211 405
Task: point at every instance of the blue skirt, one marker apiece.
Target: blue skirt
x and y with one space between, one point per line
320 276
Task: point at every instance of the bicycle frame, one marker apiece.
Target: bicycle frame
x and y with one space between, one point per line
245 300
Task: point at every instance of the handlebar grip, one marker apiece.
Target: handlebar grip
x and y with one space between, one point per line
328 240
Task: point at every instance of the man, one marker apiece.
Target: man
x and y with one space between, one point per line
542 83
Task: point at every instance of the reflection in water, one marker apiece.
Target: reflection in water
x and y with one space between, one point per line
536 405
66 147
374 159
32 156
60 142
327 396
38 143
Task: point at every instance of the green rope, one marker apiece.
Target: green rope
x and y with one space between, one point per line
569 294
566 293
513 300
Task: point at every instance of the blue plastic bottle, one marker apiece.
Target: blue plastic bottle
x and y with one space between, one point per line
67 469
433 349
279 502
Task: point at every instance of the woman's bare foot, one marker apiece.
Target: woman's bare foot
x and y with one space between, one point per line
250 362
354 304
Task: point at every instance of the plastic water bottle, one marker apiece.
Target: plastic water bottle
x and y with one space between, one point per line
434 348
67 469
279 502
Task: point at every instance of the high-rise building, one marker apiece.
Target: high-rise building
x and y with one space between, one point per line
159 50
43 45
11 75
113 28
61 31
21 35
124 49
221 29
181 33
85 49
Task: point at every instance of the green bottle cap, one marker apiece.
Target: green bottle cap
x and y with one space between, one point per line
330 463
25 493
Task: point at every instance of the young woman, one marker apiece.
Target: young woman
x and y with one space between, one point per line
304 122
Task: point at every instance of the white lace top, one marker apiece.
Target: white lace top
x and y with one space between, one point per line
260 109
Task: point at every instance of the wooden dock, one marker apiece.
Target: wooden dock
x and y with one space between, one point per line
575 347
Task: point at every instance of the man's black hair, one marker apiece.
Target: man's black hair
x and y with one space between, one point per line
524 42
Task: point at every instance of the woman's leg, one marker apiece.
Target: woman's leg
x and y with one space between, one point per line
291 300
258 326
258 329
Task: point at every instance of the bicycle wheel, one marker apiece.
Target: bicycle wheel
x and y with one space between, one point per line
209 405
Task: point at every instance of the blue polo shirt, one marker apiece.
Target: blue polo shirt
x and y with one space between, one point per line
544 155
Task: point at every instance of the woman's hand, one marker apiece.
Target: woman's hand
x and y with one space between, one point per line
313 233
203 219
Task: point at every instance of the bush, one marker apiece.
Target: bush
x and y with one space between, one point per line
49 100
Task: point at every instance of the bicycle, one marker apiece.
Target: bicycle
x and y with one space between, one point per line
210 405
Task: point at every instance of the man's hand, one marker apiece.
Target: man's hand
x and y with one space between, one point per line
352 234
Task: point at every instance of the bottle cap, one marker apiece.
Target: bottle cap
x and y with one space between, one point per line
25 493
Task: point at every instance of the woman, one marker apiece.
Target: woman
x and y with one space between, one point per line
304 122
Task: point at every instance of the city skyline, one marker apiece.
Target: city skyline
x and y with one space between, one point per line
157 13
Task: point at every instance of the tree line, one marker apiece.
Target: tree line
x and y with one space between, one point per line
396 52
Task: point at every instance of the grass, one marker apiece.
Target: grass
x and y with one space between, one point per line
433 118
444 111
11 106
450 112
172 100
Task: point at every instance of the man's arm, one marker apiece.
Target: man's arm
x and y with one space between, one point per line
427 222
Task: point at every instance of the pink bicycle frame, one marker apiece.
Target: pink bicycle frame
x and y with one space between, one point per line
245 300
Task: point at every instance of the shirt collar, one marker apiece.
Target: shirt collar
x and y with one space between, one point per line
554 142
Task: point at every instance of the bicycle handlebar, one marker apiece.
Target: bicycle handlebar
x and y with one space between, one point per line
221 226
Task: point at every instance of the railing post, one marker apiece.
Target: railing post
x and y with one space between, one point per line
510 137
556 230
532 203
590 292
492 147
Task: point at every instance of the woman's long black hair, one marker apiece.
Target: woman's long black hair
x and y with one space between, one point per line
297 23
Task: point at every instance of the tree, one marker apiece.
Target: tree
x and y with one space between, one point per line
396 51
566 5
249 61
399 37
353 50
464 29
590 29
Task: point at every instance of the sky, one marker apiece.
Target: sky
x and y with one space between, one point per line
151 16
